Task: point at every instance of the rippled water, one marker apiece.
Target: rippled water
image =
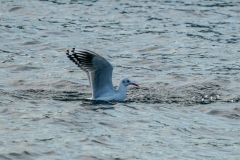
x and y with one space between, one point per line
184 55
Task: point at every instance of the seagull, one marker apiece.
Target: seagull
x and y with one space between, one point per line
99 72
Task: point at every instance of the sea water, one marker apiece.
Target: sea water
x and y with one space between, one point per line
183 54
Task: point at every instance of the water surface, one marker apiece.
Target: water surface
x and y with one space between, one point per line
183 54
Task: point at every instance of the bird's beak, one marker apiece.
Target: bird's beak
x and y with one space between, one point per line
134 84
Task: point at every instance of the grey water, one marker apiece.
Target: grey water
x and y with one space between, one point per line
185 56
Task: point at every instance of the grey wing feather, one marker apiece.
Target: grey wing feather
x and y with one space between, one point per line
98 69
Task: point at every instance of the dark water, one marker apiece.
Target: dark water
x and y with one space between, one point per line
184 55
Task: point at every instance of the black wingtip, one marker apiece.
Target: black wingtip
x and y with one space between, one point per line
73 49
67 52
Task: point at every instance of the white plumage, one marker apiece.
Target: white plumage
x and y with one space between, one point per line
99 72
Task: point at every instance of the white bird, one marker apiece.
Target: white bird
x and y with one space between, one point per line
99 72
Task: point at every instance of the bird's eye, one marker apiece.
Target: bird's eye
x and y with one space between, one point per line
128 81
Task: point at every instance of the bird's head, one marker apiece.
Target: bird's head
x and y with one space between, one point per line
126 82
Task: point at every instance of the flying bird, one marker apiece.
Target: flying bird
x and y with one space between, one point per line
99 72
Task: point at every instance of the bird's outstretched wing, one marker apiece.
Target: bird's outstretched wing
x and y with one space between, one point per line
98 69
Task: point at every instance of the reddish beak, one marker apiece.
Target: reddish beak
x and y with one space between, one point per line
134 84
